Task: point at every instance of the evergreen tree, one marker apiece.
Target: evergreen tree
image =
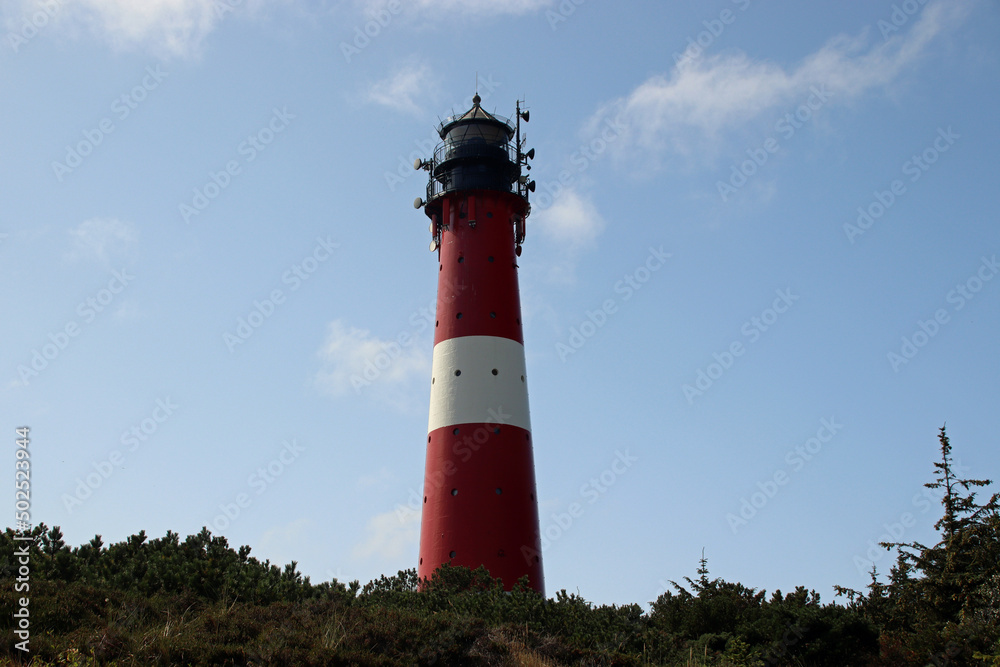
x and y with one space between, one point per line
957 571
940 603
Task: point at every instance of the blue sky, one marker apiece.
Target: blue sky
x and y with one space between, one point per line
758 273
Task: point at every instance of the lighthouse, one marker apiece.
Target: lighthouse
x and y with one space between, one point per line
479 503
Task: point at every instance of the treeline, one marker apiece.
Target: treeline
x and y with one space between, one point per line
197 601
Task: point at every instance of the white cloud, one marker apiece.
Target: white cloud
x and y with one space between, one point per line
571 221
397 91
103 239
690 110
381 480
355 362
390 536
275 542
127 312
11 386
178 28
571 224
165 27
484 8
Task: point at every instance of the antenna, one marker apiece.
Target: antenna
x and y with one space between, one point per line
524 185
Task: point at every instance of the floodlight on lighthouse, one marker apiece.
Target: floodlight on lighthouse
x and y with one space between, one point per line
418 202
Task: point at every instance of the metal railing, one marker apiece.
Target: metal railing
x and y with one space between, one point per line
449 181
457 117
474 164
474 148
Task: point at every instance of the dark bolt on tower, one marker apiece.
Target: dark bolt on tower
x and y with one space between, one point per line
479 503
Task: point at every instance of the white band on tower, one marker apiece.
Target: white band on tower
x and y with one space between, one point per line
478 380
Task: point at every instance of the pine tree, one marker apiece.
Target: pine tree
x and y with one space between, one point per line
948 585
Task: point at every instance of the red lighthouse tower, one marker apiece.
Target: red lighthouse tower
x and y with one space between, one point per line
479 505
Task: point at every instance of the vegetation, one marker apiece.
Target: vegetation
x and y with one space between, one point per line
941 605
197 601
